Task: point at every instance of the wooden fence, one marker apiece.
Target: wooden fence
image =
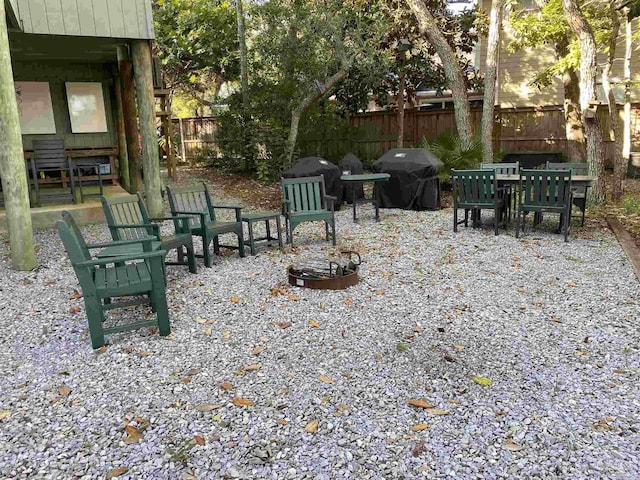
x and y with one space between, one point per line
515 129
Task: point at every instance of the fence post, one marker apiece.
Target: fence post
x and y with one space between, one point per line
184 156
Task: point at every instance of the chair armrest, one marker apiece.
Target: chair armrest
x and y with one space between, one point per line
202 215
181 220
286 207
330 199
116 243
173 217
106 261
229 207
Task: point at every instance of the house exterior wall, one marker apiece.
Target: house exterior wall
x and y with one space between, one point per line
56 73
516 70
90 18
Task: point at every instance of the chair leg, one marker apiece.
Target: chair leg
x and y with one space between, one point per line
518 213
191 257
497 215
455 218
333 232
95 317
241 243
159 297
216 245
205 251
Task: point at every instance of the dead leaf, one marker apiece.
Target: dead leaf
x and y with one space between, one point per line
144 353
293 297
4 414
619 370
242 402
226 386
312 427
64 372
250 368
134 434
380 292
199 440
348 301
459 347
283 421
102 349
325 379
208 331
481 380
75 309
116 472
185 380
449 358
235 299
571 284
282 325
194 371
512 446
64 391
257 350
419 427
417 329
418 449
207 407
314 324
49 282
419 402
437 411
556 319
75 295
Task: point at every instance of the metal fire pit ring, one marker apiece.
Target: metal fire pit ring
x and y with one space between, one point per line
327 281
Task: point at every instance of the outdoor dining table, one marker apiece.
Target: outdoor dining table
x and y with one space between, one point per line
366 177
576 180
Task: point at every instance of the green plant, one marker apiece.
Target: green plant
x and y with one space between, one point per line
402 347
631 205
448 148
183 452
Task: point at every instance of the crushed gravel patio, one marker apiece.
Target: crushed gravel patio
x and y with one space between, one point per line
262 380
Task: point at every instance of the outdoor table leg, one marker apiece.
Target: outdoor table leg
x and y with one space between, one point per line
376 200
252 243
353 201
279 232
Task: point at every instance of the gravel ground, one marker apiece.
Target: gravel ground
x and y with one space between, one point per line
552 325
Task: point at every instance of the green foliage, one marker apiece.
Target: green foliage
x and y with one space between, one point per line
448 148
631 205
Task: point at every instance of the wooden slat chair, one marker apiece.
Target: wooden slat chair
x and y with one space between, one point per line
49 156
305 200
475 190
128 219
545 191
195 202
100 282
505 169
579 193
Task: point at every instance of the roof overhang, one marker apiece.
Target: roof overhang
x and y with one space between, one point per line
12 18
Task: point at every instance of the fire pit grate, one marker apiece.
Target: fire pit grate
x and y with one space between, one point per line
326 274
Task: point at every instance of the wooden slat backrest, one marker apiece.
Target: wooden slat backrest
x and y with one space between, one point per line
304 194
49 154
545 188
77 251
194 198
126 210
474 186
502 168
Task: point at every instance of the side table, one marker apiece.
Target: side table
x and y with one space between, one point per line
366 177
251 218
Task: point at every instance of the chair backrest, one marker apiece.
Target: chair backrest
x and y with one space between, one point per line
77 250
502 168
474 186
576 168
545 188
126 210
304 194
194 198
49 154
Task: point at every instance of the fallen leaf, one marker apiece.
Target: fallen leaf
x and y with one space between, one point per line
437 411
235 299
342 408
75 295
449 358
242 402
419 427
102 349
64 390
250 368
325 379
4 414
481 380
199 440
49 282
201 320
459 347
619 370
134 434
207 407
257 350
75 309
556 319
571 284
419 402
64 372
348 301
116 472
282 325
226 386
418 449
144 353
417 330
185 380
312 427
208 331
380 292
194 371
314 324
283 422
293 297
512 446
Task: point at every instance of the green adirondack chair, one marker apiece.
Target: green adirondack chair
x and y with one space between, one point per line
475 190
305 200
579 193
195 202
100 282
504 169
545 191
128 219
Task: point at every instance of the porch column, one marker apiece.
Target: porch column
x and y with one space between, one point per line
142 73
130 116
121 134
12 165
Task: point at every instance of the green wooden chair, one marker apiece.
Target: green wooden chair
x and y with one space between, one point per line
545 191
100 282
305 200
195 202
475 190
128 219
579 193
505 169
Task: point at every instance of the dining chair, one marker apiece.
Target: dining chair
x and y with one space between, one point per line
579 193
475 190
505 169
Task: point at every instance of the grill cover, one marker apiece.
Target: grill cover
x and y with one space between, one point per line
314 166
352 163
532 159
414 183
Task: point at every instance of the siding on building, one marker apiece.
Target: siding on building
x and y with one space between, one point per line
90 18
517 70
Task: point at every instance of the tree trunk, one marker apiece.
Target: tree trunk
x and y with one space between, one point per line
626 129
130 112
618 171
588 71
574 130
490 78
244 78
453 73
141 53
400 102
306 102
123 156
15 187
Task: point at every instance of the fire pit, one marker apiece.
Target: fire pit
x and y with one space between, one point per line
326 274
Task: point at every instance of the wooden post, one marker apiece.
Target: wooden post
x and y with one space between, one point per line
142 73
182 149
130 116
12 165
122 136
